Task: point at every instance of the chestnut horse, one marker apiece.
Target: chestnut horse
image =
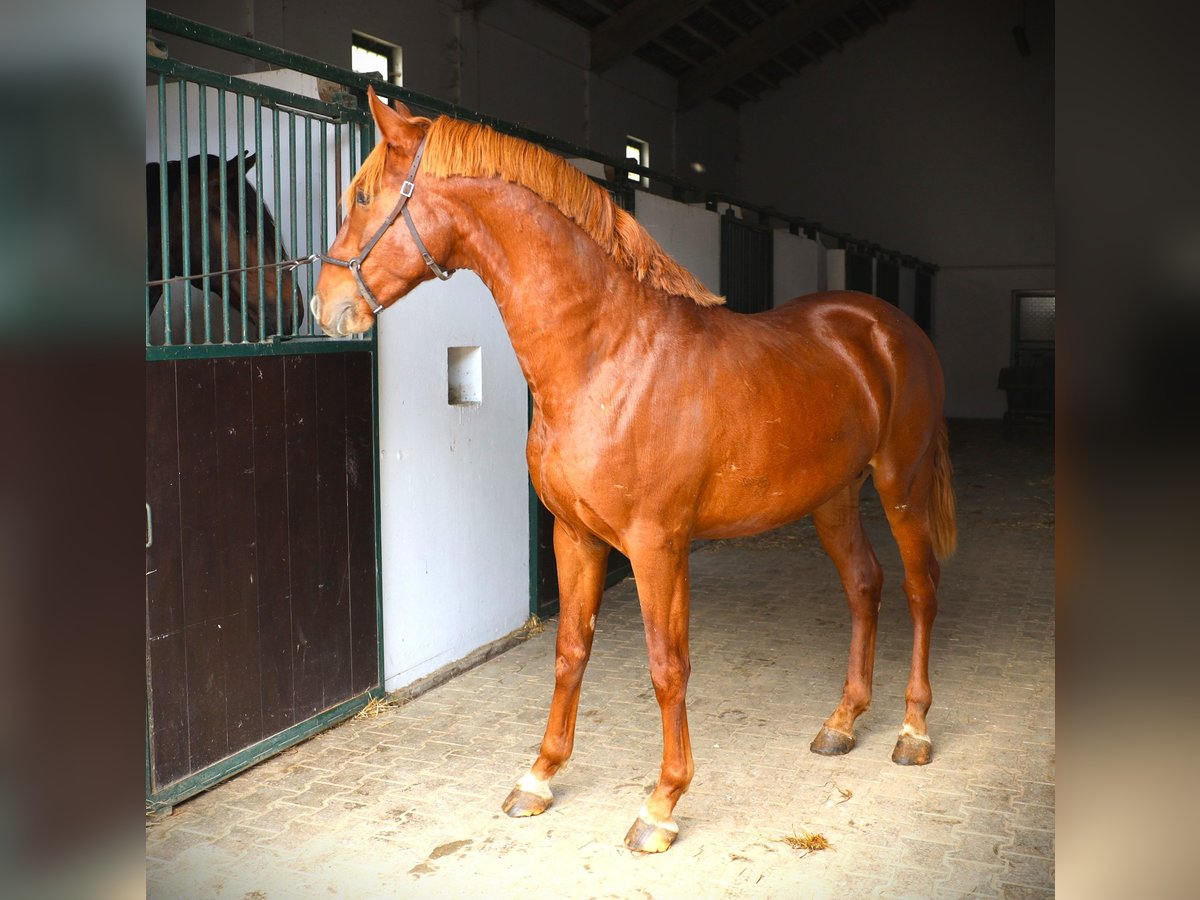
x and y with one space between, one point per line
659 416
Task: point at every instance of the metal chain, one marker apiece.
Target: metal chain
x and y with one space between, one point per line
288 265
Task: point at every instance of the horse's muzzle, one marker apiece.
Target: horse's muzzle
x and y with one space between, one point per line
342 323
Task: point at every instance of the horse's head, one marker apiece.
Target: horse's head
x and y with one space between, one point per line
270 301
392 215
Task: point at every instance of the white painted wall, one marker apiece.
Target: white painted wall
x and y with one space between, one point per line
835 270
691 234
453 482
798 266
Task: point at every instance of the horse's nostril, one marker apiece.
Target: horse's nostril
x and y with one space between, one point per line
340 325
315 305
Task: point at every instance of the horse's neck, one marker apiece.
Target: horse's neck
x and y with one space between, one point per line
566 304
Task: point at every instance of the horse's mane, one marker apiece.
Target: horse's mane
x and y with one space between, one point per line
454 147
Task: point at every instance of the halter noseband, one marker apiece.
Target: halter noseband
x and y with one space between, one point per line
355 264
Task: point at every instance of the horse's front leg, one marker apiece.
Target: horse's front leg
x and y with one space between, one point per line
581 560
662 583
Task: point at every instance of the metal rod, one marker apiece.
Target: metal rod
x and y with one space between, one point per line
163 201
323 213
280 300
295 246
224 198
309 221
185 197
260 231
206 284
240 106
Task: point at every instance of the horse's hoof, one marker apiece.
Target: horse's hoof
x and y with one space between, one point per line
912 751
831 743
644 837
520 804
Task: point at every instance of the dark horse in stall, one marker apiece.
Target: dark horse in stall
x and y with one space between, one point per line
270 303
660 416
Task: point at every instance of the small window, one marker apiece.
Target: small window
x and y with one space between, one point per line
464 376
371 56
638 151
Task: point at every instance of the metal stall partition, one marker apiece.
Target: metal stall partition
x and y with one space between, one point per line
887 280
923 304
262 561
860 271
747 264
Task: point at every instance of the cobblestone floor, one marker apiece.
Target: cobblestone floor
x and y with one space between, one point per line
407 804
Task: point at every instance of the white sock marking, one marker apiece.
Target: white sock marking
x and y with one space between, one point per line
531 784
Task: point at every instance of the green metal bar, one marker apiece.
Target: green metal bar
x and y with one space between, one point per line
231 765
272 347
223 102
185 198
309 198
260 231
323 211
292 198
271 96
164 207
378 508
280 300
206 284
240 106
147 307
337 179
163 221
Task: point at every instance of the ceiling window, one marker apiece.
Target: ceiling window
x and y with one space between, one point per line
371 56
638 151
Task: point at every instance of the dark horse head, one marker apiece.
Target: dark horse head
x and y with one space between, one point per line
272 302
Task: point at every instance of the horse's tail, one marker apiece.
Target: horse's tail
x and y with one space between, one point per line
942 527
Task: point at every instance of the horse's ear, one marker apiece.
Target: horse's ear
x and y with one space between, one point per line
396 124
231 166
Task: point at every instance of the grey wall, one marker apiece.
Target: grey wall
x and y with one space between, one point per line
932 135
514 60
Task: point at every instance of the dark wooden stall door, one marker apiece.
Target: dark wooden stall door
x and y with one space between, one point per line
260 585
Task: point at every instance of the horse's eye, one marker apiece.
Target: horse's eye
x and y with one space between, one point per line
363 198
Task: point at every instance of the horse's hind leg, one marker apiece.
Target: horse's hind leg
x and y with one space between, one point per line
840 529
581 560
906 497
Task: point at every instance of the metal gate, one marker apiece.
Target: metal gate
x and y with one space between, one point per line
747 264
262 562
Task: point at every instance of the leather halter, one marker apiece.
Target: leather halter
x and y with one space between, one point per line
355 264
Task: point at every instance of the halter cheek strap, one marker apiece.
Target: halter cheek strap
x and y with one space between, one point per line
401 209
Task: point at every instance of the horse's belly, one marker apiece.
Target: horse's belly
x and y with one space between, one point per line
745 501
747 519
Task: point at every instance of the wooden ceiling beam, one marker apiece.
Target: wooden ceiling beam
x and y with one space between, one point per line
748 52
639 22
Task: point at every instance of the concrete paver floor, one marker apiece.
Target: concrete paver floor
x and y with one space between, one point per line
408 804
